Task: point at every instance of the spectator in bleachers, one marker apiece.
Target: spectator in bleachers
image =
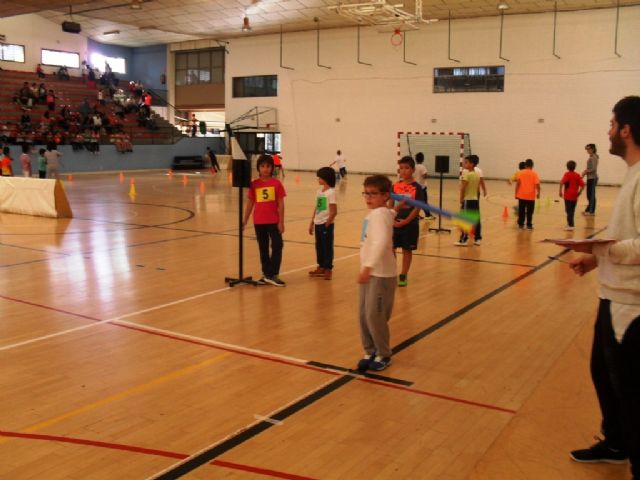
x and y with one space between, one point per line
25 96
96 122
4 134
85 111
51 100
39 71
63 73
42 94
77 141
25 120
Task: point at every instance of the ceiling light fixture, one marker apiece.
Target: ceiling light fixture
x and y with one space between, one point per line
503 6
112 32
246 26
135 5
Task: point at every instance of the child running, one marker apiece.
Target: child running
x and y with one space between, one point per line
267 194
377 277
321 224
406 231
573 185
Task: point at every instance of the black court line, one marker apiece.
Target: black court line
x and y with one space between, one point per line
382 378
238 439
90 253
232 442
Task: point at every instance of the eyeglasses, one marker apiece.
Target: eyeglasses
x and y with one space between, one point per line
370 194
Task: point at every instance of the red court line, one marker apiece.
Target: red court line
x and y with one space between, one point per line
228 349
268 358
53 309
440 396
151 451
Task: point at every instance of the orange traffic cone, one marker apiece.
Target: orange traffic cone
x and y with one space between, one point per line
170 173
185 180
132 190
70 178
505 213
297 179
121 177
202 187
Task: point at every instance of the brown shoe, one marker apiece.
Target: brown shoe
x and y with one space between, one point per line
327 274
318 272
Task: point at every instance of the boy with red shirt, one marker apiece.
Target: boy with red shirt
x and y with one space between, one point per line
267 194
573 185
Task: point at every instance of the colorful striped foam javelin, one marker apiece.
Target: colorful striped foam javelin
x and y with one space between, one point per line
465 220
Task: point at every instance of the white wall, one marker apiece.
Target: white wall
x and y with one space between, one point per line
35 33
574 94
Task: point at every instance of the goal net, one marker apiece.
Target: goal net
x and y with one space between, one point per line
455 145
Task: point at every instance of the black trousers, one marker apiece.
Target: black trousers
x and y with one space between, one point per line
525 208
570 209
615 370
324 246
270 260
472 206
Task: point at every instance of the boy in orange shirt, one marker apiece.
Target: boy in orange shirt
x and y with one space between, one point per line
527 190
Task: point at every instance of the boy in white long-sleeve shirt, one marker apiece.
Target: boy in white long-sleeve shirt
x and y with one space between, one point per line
377 276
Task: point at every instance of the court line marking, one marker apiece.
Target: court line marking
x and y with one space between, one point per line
150 451
185 467
123 394
251 430
124 316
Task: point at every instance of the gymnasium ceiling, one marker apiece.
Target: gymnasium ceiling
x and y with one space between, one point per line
167 21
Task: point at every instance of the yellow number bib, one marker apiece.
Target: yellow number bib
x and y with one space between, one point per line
266 194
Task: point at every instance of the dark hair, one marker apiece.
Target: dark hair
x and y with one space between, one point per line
262 159
41 151
592 146
419 157
327 174
474 159
528 163
571 165
407 160
25 148
521 165
627 112
6 151
381 182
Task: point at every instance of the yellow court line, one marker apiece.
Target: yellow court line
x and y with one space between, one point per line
119 396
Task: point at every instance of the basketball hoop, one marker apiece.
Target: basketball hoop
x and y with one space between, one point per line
396 37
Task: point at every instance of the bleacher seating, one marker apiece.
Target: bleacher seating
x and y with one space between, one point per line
72 92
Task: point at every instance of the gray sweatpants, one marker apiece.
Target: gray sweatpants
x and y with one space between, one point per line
376 304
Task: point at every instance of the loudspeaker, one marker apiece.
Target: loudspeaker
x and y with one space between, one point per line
71 27
442 163
241 173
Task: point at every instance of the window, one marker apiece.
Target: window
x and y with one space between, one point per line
201 66
11 53
117 64
258 86
468 79
59 59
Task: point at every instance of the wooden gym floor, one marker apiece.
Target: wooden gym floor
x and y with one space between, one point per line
124 355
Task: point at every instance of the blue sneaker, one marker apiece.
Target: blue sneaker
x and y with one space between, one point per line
379 363
365 362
